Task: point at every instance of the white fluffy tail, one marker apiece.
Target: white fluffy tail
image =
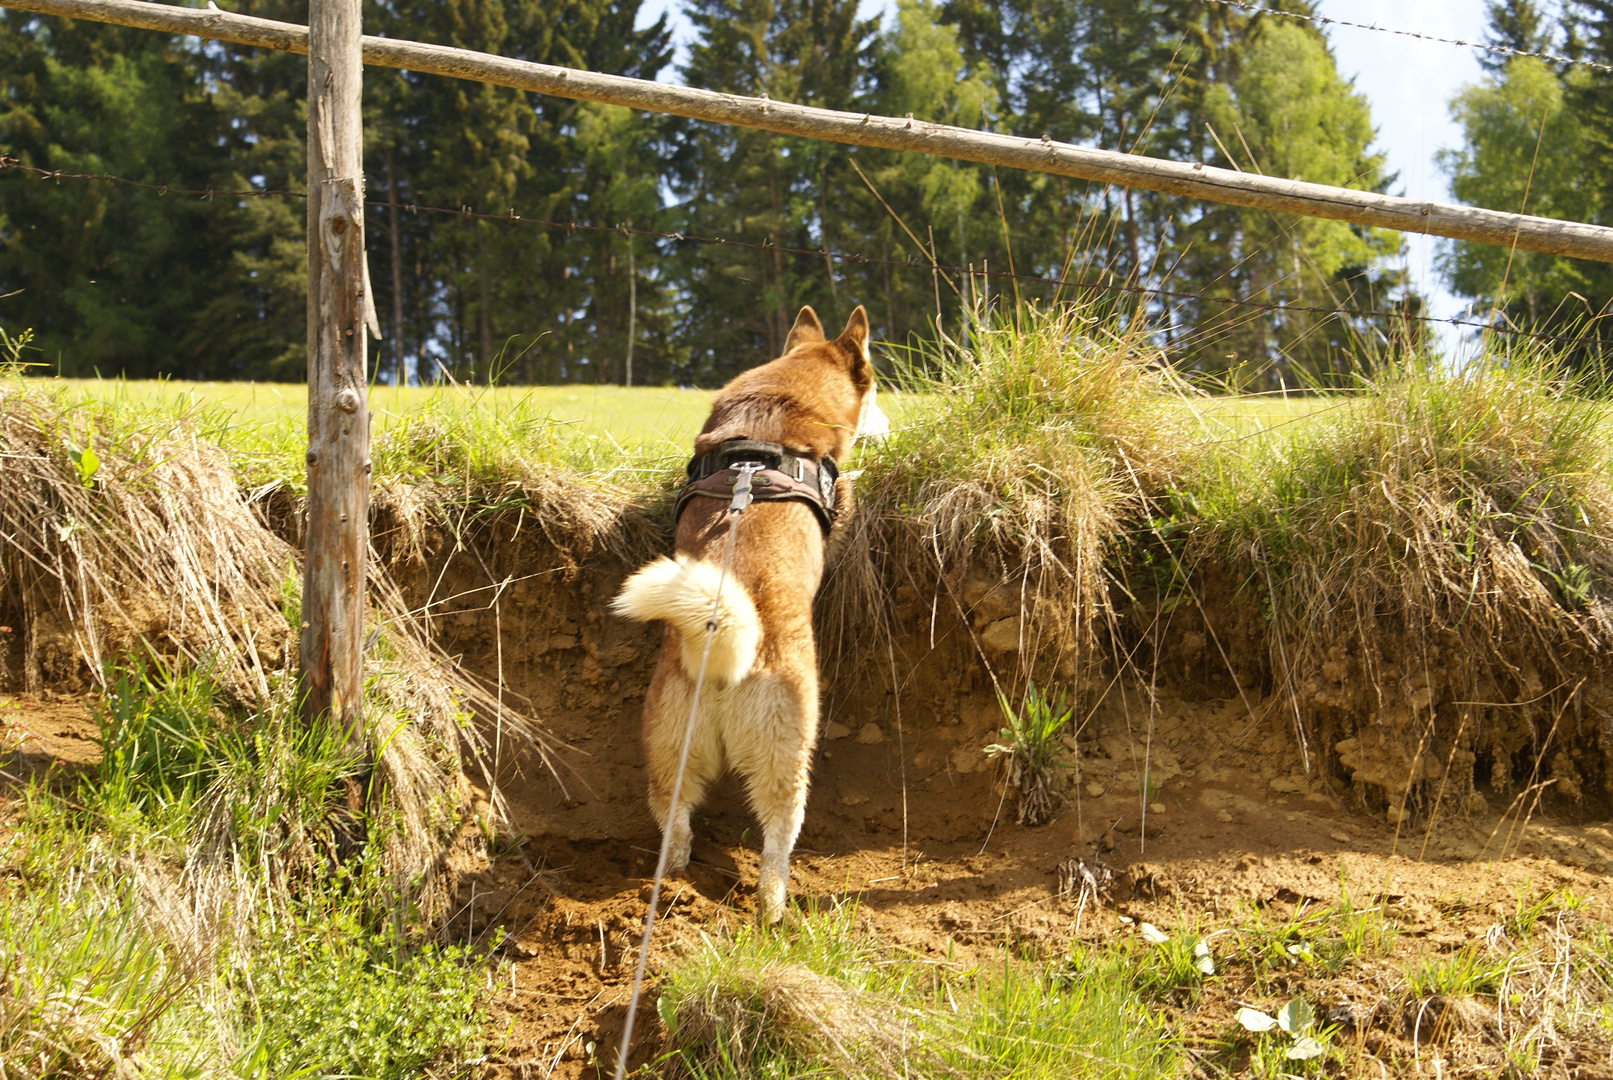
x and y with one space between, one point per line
681 592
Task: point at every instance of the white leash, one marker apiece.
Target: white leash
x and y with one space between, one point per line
742 499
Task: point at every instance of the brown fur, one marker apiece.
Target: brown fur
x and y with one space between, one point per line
811 400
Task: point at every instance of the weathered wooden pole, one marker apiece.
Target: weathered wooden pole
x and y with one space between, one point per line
340 308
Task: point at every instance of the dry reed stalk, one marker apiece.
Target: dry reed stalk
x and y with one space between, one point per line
157 553
1438 551
1046 445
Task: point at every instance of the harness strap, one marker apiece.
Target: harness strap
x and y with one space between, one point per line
783 475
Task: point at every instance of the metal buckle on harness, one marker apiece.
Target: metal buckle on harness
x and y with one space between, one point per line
745 470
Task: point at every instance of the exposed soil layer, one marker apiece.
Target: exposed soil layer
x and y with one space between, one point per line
46 737
906 813
1186 780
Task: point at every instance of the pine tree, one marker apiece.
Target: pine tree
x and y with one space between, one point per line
1513 24
761 188
122 281
1538 138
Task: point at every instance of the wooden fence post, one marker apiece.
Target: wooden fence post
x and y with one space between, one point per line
340 308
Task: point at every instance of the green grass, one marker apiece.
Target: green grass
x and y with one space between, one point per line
491 433
633 417
630 441
178 908
826 997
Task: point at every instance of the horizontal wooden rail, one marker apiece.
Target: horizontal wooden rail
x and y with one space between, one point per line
1194 180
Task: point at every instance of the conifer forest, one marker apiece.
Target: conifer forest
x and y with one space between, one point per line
115 280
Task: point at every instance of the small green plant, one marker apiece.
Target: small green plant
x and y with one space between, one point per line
335 999
11 350
291 596
1363 932
1029 751
1463 973
1530 910
1297 1020
85 463
1176 962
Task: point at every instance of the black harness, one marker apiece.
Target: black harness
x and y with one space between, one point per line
782 475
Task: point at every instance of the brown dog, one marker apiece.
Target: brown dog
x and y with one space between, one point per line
794 419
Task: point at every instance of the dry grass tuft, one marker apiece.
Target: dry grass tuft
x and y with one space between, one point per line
123 542
1040 446
765 1008
119 547
1433 557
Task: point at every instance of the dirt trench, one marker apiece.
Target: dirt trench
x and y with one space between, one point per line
905 811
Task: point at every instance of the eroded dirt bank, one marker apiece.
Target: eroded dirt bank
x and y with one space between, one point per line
906 814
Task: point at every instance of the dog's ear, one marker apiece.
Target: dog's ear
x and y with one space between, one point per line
855 335
807 329
854 339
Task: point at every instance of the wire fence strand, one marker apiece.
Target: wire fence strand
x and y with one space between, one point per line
1481 46
15 166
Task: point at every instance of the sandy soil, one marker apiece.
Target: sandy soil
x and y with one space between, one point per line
906 815
46 736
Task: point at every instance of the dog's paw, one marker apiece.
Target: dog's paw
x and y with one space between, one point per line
771 896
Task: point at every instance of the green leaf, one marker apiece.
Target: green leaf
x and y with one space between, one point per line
1296 1017
1255 1020
88 465
1305 1048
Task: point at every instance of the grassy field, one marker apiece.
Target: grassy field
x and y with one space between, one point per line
634 418
594 428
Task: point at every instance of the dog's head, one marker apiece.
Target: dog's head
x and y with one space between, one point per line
847 353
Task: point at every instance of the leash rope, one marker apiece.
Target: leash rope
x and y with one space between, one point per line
742 499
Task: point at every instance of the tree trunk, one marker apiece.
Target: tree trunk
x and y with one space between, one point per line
781 313
823 232
340 308
399 374
632 314
484 306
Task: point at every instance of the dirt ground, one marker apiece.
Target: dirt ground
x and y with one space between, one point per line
905 813
906 816
46 736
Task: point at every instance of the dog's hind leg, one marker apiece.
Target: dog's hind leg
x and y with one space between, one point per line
666 712
769 730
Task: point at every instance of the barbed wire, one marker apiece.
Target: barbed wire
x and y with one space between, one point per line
13 165
1325 20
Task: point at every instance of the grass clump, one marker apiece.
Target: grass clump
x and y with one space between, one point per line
1029 752
1467 972
1431 554
185 909
829 997
1037 447
85 989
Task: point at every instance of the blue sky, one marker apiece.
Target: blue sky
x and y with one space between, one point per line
1408 82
